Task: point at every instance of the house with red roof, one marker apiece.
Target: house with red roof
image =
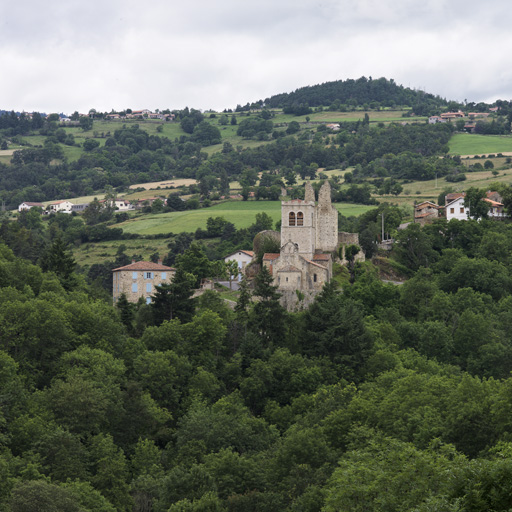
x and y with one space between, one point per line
28 204
139 279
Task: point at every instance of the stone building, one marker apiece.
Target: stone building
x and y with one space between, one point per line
309 241
139 280
425 212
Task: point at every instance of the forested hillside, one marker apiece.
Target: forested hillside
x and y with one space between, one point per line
378 397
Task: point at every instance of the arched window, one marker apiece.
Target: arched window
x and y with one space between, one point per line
291 219
300 219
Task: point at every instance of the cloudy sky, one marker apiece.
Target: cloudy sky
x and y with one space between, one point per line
67 55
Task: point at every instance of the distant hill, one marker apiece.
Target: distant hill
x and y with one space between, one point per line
350 93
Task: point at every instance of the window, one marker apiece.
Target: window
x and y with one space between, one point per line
134 275
291 219
314 278
148 300
164 276
135 288
149 275
148 287
452 210
300 219
286 279
462 210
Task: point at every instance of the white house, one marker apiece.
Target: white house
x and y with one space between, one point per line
242 257
60 206
455 209
27 205
123 205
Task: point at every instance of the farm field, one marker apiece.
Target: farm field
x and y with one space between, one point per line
89 254
473 144
242 214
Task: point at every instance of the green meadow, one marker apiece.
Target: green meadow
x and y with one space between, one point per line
473 144
241 213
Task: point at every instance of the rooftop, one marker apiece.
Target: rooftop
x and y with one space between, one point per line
145 265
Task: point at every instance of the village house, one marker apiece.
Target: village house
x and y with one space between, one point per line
60 206
455 209
448 116
436 119
243 258
138 280
27 205
425 212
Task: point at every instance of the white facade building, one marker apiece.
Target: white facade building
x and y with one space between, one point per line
456 210
243 258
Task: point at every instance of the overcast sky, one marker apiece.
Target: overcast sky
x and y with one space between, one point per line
67 55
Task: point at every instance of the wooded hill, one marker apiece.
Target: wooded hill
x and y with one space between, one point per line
350 93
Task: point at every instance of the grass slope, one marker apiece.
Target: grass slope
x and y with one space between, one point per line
473 144
242 214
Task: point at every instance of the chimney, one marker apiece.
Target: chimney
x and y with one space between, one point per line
159 261
133 261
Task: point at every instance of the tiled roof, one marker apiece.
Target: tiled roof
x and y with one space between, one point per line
28 203
315 264
427 203
492 203
249 253
321 257
454 195
271 256
144 265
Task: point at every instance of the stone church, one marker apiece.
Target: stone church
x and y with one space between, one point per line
309 241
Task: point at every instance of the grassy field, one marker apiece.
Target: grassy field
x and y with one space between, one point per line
242 214
89 254
429 190
473 144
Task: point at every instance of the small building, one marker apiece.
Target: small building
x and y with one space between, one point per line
425 212
27 205
243 258
455 208
139 280
79 208
123 205
435 120
448 116
496 209
60 206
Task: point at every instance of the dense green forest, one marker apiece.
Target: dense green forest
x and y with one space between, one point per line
377 397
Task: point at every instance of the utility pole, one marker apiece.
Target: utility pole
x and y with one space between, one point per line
382 226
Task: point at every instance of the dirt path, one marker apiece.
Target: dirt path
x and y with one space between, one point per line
484 155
